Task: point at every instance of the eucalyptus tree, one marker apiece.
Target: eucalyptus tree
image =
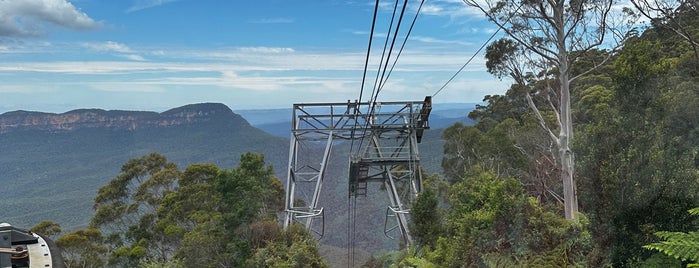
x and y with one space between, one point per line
126 210
679 16
549 37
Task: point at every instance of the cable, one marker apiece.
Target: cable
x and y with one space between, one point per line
366 66
478 51
368 51
382 70
469 61
354 228
349 230
410 30
379 73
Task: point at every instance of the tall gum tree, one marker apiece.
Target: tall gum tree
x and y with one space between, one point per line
553 34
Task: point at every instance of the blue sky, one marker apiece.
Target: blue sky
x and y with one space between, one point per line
59 55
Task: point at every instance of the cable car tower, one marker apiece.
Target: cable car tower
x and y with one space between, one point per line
387 140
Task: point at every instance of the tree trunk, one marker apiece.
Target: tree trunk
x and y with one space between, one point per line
570 196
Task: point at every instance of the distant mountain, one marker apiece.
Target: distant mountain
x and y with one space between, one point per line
51 165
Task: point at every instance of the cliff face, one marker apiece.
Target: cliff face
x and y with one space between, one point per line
52 165
118 120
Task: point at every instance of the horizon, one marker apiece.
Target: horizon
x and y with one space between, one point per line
436 106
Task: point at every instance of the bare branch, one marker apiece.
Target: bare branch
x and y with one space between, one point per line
593 68
553 107
541 120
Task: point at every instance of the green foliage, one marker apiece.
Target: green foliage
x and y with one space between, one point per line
637 153
293 248
250 191
126 209
425 225
48 228
679 245
385 260
83 248
158 216
492 220
683 246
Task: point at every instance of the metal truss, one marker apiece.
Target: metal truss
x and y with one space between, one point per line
387 139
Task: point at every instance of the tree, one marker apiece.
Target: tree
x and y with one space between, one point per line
425 218
190 218
679 16
553 34
126 209
155 215
680 245
492 220
47 228
293 248
637 151
83 248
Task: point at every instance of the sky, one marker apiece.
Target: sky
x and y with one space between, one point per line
60 55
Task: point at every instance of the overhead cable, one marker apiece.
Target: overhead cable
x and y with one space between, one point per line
410 30
478 51
366 66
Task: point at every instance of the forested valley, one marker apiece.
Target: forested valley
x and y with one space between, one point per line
499 200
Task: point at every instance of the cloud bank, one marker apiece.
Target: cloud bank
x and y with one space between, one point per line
25 18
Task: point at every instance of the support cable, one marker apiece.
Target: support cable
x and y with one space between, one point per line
478 51
467 62
410 30
366 66
374 92
349 230
382 70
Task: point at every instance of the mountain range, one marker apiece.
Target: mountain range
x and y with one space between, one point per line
51 165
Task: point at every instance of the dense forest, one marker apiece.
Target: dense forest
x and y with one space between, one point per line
501 199
155 215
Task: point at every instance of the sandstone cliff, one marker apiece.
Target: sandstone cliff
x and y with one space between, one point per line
119 120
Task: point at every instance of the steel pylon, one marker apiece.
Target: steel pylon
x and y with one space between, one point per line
386 137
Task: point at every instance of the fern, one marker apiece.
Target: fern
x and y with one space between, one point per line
679 245
694 211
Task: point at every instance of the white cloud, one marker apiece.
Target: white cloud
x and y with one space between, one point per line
426 39
144 4
121 50
266 74
127 87
23 18
272 21
454 9
266 50
109 46
134 57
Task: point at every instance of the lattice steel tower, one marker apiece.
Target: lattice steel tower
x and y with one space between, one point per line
386 139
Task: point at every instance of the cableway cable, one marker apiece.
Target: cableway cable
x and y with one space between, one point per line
378 85
467 62
366 66
381 72
382 69
478 51
410 30
350 216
